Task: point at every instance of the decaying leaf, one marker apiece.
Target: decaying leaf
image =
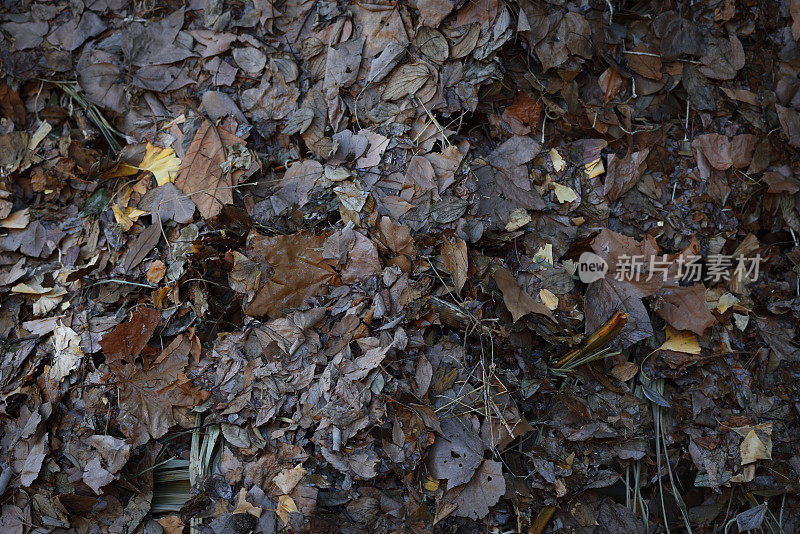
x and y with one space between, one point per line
67 352
482 492
456 454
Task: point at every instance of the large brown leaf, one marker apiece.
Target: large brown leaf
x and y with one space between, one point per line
146 397
298 271
684 308
201 176
623 173
517 301
127 340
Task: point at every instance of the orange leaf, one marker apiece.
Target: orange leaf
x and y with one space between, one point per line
611 83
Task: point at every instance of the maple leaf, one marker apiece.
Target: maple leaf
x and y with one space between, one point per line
146 397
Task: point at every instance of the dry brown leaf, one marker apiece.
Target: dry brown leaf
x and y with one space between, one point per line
456 261
298 271
517 300
482 492
156 272
200 175
611 83
146 397
684 308
406 80
645 62
398 237
523 115
623 173
126 341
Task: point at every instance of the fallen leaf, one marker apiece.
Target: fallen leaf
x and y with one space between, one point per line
144 243
518 302
67 353
95 476
286 506
644 61
299 271
200 175
611 83
564 193
548 298
244 507
456 261
406 80
684 308
624 371
126 217
456 454
171 524
680 341
287 479
623 173
753 448
482 492
17 220
126 341
33 462
162 162
156 272
146 397
398 237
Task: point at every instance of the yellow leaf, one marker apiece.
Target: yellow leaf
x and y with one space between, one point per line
681 341
126 217
162 162
564 193
286 506
726 301
549 299
431 484
518 218
544 254
753 449
757 443
558 161
244 507
594 168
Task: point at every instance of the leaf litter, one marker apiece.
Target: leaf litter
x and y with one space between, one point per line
319 266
